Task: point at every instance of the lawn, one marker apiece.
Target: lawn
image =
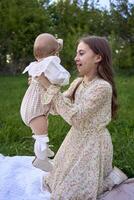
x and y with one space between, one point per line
15 137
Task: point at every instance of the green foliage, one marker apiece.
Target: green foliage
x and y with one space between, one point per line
21 21
15 137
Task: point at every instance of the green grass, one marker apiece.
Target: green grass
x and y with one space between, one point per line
15 137
122 130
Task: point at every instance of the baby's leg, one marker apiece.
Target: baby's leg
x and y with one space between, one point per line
39 126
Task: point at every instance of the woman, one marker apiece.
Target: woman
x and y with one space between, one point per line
83 165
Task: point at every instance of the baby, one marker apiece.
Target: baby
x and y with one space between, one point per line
33 112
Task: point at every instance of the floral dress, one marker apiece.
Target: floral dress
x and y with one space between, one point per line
84 159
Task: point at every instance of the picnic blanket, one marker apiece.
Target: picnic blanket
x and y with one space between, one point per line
19 180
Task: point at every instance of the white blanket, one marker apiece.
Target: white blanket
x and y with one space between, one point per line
19 180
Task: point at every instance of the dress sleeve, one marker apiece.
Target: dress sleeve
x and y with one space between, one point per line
73 113
68 93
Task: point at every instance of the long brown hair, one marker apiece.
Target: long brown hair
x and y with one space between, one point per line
100 45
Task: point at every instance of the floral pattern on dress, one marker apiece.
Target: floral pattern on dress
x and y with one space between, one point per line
84 159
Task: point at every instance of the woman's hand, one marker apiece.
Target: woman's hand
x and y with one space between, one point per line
43 81
29 80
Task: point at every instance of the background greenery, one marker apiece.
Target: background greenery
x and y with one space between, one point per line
20 23
22 20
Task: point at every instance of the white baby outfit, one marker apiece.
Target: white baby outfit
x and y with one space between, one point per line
31 105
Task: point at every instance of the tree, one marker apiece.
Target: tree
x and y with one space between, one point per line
21 21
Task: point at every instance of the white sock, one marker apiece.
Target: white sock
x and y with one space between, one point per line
40 146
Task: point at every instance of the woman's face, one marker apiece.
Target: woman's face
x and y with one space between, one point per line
86 60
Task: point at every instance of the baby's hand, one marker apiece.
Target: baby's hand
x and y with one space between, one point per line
60 42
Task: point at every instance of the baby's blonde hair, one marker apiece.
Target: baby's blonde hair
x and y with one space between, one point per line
45 45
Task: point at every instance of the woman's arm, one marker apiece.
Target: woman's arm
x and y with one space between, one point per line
67 93
76 114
